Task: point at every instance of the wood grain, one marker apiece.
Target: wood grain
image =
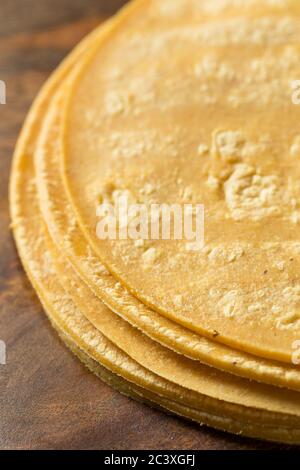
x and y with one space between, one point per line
48 399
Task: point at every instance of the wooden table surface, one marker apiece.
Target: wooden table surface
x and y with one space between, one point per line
48 399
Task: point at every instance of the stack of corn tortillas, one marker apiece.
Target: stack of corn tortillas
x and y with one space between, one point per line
175 102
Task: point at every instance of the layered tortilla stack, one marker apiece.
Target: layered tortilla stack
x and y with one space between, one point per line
175 102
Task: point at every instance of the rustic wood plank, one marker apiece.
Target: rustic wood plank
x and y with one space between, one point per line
48 399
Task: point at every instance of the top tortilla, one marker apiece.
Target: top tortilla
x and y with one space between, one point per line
190 102
72 245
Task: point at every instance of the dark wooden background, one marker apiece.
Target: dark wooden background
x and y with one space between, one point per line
47 398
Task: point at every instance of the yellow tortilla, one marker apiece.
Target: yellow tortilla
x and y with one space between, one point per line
151 399
29 234
61 222
37 259
260 403
71 322
161 361
198 109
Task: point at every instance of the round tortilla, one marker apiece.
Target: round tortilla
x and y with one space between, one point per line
151 399
252 401
63 228
198 109
37 259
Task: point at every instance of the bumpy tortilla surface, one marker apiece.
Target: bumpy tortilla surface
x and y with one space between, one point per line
190 102
61 222
224 388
